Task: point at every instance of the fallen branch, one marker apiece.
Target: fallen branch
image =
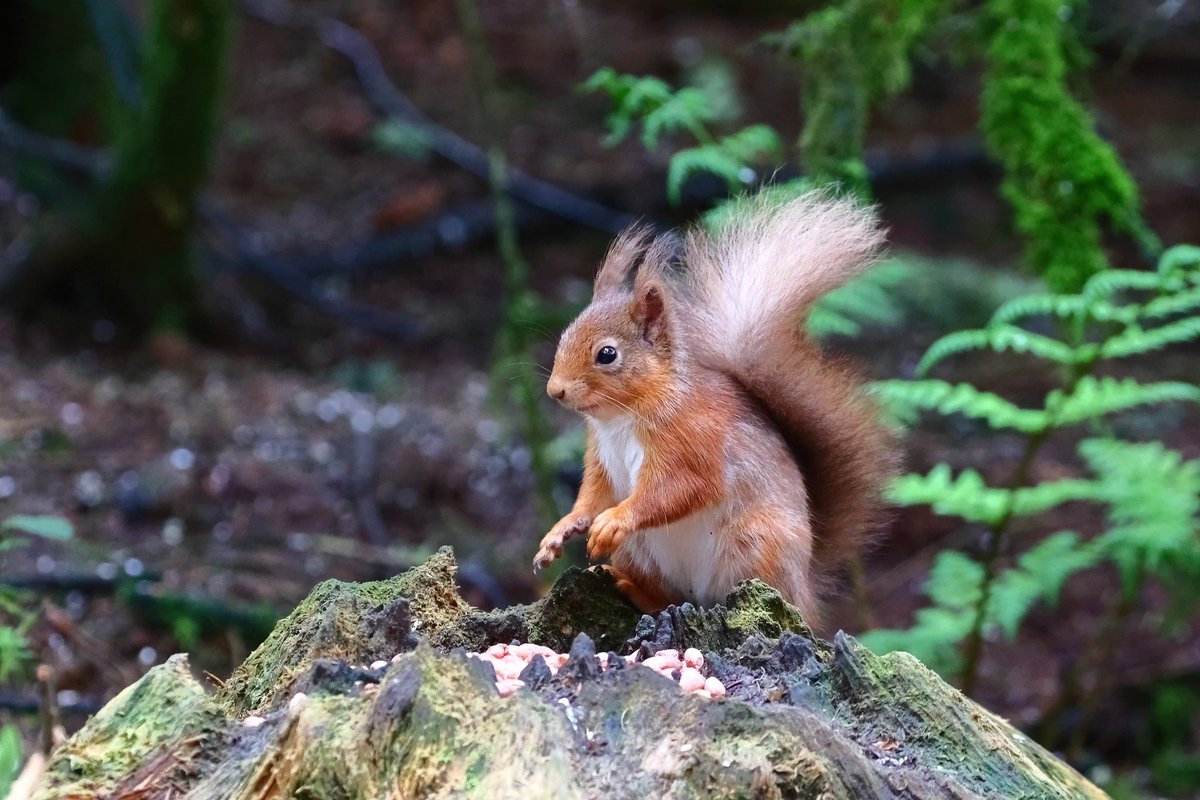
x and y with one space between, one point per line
385 96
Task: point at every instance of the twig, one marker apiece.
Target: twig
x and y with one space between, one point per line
991 559
86 161
114 30
384 94
974 647
1096 659
362 488
51 719
387 97
31 703
241 251
82 582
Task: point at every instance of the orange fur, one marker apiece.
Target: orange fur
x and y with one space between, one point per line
722 445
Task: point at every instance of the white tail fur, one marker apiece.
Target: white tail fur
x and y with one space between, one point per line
755 277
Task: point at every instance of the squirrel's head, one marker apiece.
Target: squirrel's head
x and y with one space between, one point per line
619 355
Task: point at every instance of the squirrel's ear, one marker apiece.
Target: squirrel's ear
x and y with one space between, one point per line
650 313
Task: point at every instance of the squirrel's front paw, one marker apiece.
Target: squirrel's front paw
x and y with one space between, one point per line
607 532
552 543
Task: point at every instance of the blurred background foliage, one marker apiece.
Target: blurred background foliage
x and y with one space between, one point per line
279 284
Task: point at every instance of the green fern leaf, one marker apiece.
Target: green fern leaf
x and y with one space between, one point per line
1039 305
1096 397
753 143
904 398
650 101
867 300
1053 560
1154 512
1137 340
1183 258
686 109
966 496
1000 338
1181 302
933 639
693 160
728 158
1110 281
1039 576
969 497
956 581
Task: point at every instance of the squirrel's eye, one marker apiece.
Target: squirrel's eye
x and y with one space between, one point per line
606 354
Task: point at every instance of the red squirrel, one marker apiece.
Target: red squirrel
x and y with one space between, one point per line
722 444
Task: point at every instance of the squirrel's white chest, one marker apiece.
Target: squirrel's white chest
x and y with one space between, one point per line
685 552
620 452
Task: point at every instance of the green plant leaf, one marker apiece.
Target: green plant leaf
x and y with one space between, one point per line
1181 302
10 757
969 497
1135 341
866 300
14 651
904 398
1096 397
1039 576
955 581
43 525
1154 510
1039 305
1180 258
1000 337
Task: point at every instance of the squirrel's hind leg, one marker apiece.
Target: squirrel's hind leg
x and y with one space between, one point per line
644 588
775 546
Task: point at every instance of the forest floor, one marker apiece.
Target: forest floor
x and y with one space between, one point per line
238 476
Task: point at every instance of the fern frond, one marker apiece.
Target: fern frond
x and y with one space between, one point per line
933 639
1181 258
866 300
1138 340
685 110
999 338
694 160
969 497
752 143
903 398
1039 575
1181 302
1039 305
1154 511
1110 281
1097 397
956 580
653 102
728 157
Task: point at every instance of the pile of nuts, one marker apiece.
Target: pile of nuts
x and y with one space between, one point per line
510 660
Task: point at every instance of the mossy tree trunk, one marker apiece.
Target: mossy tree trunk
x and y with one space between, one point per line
804 718
124 250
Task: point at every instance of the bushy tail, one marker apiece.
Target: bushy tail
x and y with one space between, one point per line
754 280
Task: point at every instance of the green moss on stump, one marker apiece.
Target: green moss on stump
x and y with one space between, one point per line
804 718
166 711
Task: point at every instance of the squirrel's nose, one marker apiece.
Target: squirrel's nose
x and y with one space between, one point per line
556 389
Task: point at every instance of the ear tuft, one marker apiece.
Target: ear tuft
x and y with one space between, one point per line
624 260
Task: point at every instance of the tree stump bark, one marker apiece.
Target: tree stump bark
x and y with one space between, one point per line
804 718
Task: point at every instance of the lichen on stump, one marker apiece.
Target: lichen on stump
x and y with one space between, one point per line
804 718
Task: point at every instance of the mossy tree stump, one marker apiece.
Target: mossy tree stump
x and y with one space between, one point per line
804 718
